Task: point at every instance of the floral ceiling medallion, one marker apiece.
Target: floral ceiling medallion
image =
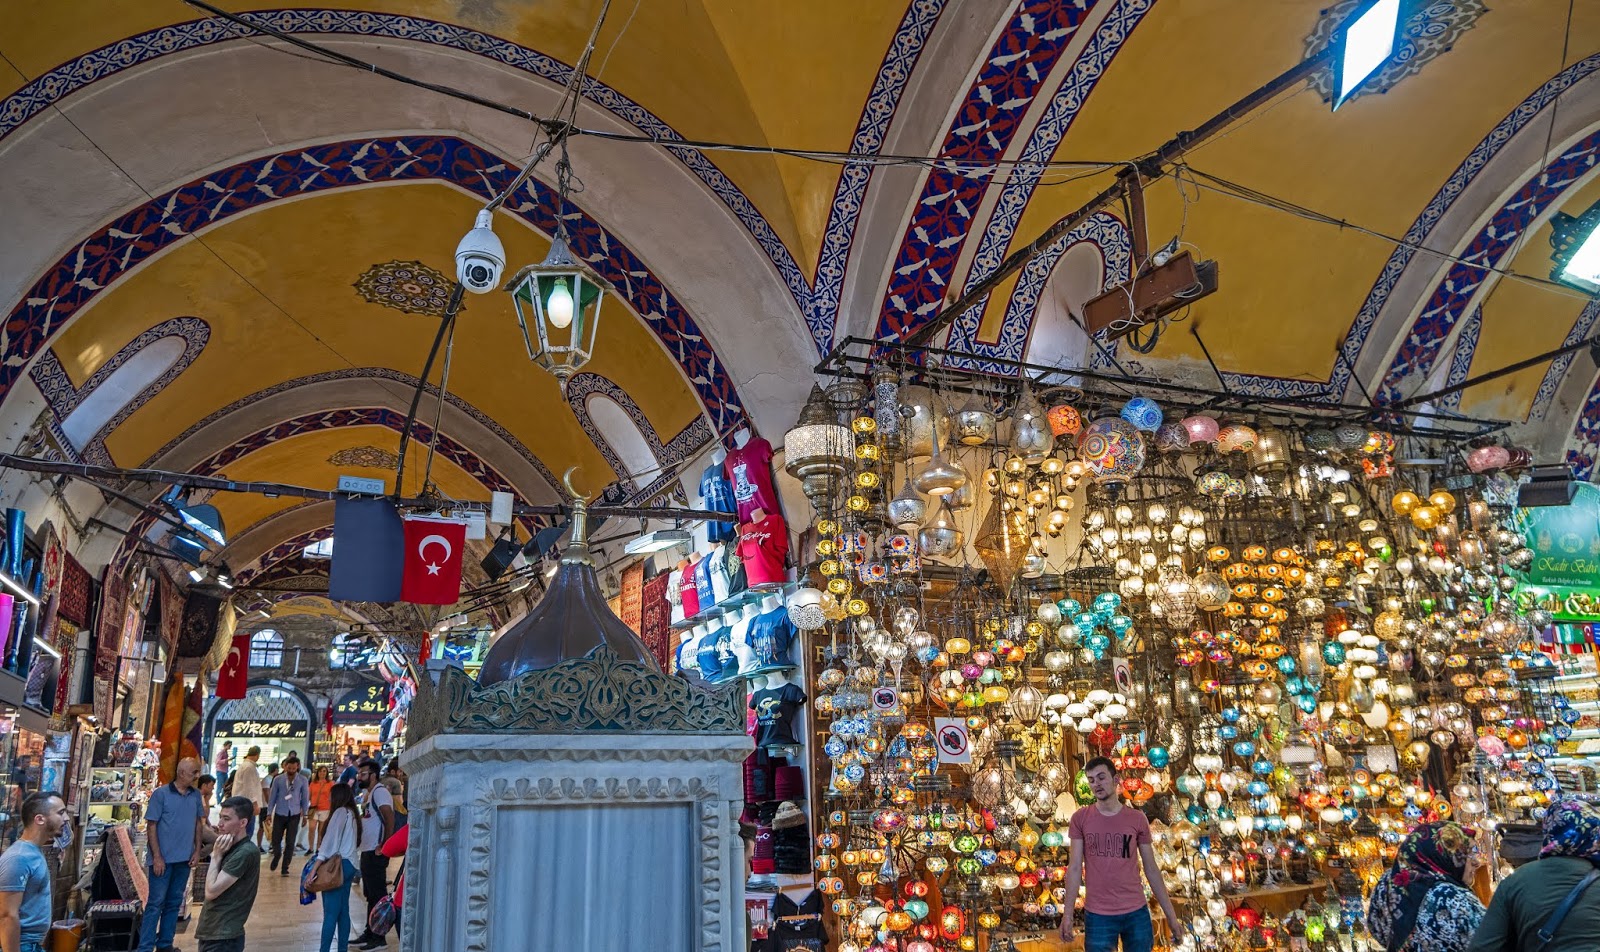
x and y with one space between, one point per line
371 457
409 286
1428 29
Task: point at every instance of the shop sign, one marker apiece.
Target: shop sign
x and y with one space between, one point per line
1565 541
1564 603
248 728
370 702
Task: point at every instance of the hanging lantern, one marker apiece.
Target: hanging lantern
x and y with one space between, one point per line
560 297
817 450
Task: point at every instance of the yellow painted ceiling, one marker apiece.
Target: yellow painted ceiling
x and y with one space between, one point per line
1290 287
791 74
294 313
307 457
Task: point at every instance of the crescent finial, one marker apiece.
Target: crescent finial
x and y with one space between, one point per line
566 480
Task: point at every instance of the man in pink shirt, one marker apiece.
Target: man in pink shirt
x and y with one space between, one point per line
1109 841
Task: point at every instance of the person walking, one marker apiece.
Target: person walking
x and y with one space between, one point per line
321 789
173 819
264 828
348 775
341 840
231 880
288 800
377 825
1529 897
1110 841
25 876
247 783
1422 903
223 759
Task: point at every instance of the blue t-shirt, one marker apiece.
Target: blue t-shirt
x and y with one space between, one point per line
23 870
729 661
716 493
706 657
770 637
174 814
704 590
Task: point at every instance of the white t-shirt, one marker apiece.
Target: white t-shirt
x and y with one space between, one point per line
340 839
247 782
372 819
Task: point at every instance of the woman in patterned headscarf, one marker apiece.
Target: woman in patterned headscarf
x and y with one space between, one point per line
1528 897
1422 902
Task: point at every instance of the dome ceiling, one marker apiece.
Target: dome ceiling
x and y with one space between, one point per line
226 256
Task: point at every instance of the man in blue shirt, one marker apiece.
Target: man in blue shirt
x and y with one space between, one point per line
173 819
287 801
25 876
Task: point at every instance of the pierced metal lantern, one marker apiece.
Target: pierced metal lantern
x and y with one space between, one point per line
559 300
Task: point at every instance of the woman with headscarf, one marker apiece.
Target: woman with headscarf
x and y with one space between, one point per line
1422 903
1527 898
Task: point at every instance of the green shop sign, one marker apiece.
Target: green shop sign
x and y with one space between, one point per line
1565 541
1564 603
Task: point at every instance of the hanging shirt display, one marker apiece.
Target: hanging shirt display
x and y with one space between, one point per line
764 547
770 637
797 926
688 591
716 494
718 558
775 712
749 470
729 661
706 657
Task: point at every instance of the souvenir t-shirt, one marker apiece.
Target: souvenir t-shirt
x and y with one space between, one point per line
738 579
775 714
764 546
716 494
704 591
729 668
685 660
1111 858
719 572
770 636
688 591
674 595
749 470
706 657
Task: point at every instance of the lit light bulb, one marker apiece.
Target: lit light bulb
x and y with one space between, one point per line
559 306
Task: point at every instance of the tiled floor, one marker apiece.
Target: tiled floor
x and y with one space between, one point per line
278 923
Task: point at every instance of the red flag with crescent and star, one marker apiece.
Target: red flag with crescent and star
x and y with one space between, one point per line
234 675
434 550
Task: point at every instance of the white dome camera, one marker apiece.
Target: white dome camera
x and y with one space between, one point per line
480 258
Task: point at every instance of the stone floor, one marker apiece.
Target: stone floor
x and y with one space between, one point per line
278 923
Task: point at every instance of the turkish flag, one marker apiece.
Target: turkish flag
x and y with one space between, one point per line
434 550
234 675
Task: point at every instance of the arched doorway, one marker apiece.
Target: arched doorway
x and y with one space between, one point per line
274 715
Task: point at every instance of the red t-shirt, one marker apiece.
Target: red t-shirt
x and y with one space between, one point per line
763 547
687 591
1111 872
750 471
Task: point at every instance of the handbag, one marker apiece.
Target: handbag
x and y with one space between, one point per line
385 913
328 874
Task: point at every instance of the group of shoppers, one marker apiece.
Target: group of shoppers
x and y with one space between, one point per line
1425 903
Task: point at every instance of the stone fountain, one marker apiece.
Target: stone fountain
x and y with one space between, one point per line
575 796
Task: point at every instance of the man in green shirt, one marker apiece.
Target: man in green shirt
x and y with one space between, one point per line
1528 897
231 881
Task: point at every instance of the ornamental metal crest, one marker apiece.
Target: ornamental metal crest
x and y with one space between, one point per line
1428 29
599 693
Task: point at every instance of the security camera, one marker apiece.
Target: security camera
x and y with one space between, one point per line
480 258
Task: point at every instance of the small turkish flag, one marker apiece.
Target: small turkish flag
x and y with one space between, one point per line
234 676
434 550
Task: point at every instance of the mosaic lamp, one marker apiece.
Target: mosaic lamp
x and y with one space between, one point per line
818 450
558 308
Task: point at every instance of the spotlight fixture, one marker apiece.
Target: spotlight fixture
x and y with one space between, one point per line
197 575
1366 42
657 541
1576 240
1548 486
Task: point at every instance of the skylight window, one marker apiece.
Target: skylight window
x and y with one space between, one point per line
1368 43
320 550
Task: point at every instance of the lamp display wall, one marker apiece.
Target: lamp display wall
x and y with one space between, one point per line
1284 637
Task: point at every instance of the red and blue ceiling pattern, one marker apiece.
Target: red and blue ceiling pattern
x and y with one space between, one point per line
989 118
136 236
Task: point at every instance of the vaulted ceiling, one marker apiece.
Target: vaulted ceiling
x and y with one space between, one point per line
225 255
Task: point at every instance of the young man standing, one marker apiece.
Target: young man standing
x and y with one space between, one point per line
247 782
173 820
377 824
25 876
231 881
288 801
1110 841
